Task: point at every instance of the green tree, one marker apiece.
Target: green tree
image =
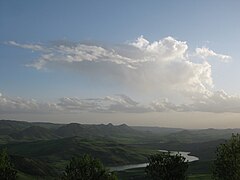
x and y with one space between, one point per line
7 171
227 163
164 166
87 168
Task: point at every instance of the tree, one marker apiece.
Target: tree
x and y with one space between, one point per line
87 168
227 163
7 171
164 166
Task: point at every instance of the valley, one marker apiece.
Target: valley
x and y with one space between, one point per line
44 149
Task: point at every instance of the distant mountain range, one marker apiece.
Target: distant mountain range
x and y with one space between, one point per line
30 131
18 131
188 135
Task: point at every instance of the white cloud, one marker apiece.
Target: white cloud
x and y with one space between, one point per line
41 62
69 53
34 47
20 105
164 105
206 52
217 102
141 43
117 103
166 49
160 67
108 104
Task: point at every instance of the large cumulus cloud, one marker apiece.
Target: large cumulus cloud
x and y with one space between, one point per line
158 66
164 67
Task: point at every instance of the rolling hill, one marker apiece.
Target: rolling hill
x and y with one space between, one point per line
34 133
7 127
202 135
84 130
36 148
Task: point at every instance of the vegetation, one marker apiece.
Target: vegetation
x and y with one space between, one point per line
87 168
164 166
140 174
227 163
7 171
43 150
200 177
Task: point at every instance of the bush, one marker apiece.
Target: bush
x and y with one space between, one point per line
164 166
7 171
87 168
227 163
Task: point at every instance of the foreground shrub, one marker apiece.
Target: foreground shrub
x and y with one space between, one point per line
7 171
164 166
227 163
87 168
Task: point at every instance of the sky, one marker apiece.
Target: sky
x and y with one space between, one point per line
150 63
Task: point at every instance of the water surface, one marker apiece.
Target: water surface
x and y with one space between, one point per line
141 165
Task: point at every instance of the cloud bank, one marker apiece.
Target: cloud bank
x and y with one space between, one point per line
218 102
20 105
108 104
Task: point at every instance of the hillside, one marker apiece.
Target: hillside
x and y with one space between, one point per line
63 149
14 131
201 135
84 130
34 133
157 130
8 126
40 130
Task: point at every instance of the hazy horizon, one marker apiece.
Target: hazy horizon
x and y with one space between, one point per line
168 64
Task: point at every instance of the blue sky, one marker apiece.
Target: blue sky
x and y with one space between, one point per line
113 27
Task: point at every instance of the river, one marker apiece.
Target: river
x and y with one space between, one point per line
141 165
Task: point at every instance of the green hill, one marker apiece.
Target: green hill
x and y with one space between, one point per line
202 135
47 125
15 131
85 130
7 127
157 130
111 153
34 133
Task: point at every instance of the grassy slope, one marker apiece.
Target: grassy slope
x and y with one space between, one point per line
55 154
34 133
8 127
63 149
